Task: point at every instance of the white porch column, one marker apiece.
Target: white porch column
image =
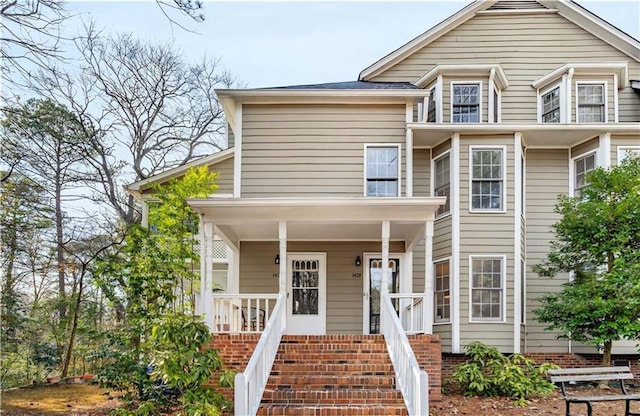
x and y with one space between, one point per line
428 277
409 154
233 272
203 270
386 231
282 236
145 215
206 290
604 151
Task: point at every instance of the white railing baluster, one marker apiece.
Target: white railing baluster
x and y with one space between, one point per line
410 380
241 312
250 385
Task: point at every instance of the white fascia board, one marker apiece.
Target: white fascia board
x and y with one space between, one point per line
424 39
506 128
586 68
294 96
596 26
464 70
136 187
229 108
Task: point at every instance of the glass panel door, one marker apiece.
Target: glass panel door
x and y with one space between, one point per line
375 286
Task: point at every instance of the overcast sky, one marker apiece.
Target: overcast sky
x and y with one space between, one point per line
286 43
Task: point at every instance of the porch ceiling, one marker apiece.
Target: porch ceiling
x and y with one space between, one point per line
318 219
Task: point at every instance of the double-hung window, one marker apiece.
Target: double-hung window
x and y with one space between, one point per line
487 179
550 102
487 288
442 301
382 171
442 182
591 99
431 106
628 152
582 166
465 103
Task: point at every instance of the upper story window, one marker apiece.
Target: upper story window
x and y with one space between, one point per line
442 293
550 102
487 179
495 116
382 170
431 106
581 166
591 102
465 102
442 181
487 288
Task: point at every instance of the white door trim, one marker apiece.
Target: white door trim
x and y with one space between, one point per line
319 325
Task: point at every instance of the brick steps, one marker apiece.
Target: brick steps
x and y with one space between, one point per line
332 375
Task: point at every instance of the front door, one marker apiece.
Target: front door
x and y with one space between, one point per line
373 286
306 293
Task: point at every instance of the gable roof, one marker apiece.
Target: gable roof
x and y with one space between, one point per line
565 8
137 188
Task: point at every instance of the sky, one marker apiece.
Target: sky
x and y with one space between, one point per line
269 43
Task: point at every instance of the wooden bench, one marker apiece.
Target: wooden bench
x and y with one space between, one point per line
578 375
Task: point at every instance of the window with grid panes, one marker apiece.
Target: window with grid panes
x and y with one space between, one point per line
442 301
487 176
442 182
551 106
466 103
382 171
591 99
582 166
486 288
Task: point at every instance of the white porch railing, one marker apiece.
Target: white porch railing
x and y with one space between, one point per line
250 385
410 380
241 312
411 311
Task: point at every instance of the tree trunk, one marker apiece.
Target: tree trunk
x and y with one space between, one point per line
62 307
74 326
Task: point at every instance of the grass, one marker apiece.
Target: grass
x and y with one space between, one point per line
54 400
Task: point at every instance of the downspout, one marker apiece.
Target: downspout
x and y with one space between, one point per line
490 115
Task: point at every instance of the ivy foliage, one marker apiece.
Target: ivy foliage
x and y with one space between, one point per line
489 373
598 239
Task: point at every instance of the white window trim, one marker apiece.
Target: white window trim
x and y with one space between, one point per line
480 95
504 179
606 98
503 273
447 322
433 180
364 171
545 91
620 150
572 169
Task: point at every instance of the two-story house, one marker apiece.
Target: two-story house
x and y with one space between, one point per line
428 185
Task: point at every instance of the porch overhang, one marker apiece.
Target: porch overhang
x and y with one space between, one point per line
346 219
534 135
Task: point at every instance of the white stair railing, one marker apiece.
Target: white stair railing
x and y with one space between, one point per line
241 312
411 311
410 380
250 385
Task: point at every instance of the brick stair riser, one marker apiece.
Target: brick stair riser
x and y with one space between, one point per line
366 410
333 369
333 381
329 397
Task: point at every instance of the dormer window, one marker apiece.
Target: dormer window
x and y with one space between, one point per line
465 103
591 103
550 102
431 106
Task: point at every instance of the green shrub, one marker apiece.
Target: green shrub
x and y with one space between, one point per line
490 373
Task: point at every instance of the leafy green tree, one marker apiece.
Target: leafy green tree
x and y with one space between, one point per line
160 332
598 239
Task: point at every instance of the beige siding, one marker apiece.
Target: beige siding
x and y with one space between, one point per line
441 148
547 176
258 274
421 172
444 330
474 231
442 237
527 47
620 140
585 147
224 181
313 150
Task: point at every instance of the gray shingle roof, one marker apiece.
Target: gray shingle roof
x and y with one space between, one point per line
350 85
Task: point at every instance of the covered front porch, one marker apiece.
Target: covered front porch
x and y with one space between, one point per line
329 258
